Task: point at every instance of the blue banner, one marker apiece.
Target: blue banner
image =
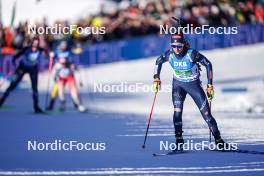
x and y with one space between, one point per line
154 45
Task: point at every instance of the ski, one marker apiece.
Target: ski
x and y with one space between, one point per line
8 107
68 110
232 151
44 113
240 151
170 153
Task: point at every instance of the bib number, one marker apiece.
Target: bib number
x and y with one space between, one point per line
183 73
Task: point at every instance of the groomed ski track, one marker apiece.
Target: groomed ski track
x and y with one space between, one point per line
119 120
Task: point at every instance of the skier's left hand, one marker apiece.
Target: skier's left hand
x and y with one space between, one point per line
210 92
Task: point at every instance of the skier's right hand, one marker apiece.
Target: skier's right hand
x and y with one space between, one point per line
51 55
156 85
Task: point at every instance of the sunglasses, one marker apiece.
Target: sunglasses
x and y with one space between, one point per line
177 46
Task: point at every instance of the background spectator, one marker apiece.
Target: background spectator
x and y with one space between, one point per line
143 17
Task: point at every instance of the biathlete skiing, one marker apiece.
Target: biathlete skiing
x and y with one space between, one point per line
185 63
63 73
61 52
30 57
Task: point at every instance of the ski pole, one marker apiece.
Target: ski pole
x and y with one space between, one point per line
81 83
210 133
176 20
150 115
48 85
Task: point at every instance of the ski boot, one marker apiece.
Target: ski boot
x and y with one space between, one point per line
81 108
75 104
179 142
38 110
62 106
51 105
222 145
2 100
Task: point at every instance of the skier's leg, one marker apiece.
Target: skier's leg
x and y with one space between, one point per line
17 77
54 95
178 97
74 91
197 93
74 95
61 87
54 92
33 74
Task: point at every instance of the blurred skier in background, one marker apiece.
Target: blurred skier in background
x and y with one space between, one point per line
61 52
63 72
30 57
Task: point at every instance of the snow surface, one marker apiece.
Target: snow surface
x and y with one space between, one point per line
119 120
239 67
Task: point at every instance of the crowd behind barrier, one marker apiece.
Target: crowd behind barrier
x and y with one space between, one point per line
132 29
147 46
135 18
